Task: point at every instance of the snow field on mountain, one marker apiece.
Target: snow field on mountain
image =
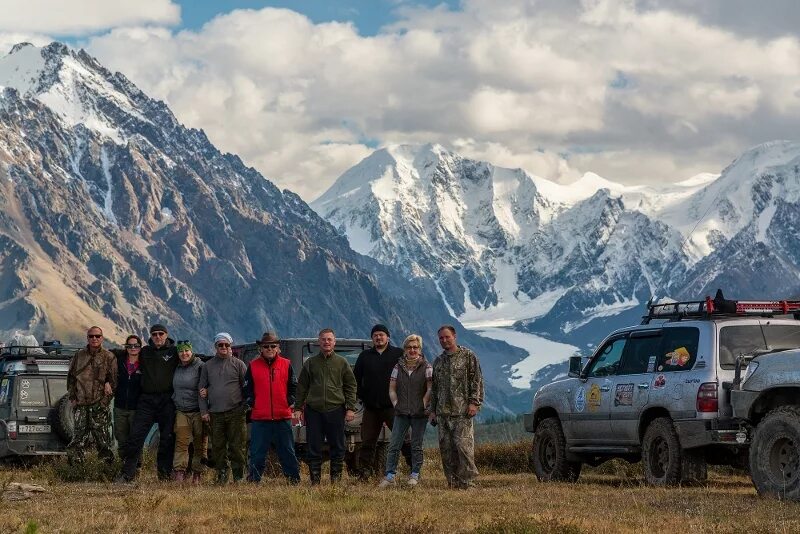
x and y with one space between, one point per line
541 352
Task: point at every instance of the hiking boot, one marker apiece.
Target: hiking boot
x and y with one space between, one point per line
197 478
387 483
412 481
179 475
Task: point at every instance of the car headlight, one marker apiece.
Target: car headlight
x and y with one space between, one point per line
751 368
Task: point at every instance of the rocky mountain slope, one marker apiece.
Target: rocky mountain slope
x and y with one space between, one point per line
113 213
571 262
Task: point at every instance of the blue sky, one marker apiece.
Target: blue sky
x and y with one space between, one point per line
367 15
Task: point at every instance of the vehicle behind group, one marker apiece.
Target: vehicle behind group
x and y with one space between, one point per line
297 350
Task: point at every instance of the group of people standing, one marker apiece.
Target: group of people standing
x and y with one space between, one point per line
166 384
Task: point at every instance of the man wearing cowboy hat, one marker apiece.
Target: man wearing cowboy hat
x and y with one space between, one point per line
269 390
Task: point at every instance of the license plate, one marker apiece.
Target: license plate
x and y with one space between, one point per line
34 429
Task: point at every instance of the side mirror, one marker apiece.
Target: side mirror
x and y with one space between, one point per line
575 366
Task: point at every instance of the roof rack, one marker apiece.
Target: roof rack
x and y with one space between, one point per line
719 306
44 351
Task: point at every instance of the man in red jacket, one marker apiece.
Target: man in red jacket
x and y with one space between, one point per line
269 389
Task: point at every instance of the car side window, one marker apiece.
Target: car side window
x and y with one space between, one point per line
607 359
641 354
679 349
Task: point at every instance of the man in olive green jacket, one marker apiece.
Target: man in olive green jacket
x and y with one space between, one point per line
326 388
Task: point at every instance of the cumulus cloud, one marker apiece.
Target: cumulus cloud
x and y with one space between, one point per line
77 17
635 90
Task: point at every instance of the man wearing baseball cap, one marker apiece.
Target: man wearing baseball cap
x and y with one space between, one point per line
157 363
222 403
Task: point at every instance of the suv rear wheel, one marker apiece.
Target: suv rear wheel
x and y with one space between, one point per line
775 454
665 463
549 454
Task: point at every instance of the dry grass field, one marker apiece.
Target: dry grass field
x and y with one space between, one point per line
508 500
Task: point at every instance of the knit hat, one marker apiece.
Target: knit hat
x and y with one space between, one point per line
158 328
380 328
223 336
183 345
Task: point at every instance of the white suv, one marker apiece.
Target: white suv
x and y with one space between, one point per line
657 392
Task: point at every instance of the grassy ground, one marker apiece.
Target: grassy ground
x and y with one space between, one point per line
508 500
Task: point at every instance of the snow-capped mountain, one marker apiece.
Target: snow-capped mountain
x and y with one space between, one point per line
571 261
113 213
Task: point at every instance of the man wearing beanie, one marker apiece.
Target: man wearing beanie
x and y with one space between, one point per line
221 402
157 363
373 370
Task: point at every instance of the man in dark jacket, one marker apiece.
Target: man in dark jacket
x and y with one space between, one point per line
372 371
269 390
157 363
326 388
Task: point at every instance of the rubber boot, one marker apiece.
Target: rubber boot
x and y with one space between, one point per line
336 470
315 473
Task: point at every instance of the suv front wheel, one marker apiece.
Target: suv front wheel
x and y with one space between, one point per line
775 454
550 454
665 463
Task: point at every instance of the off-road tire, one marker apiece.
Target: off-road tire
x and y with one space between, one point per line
662 457
63 419
775 454
549 454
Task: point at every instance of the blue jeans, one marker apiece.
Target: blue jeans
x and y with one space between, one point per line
401 425
263 434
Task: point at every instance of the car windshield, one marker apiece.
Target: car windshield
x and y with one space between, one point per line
30 392
745 339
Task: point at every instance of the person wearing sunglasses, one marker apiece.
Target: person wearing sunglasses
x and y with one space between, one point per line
269 390
157 363
221 402
91 380
128 388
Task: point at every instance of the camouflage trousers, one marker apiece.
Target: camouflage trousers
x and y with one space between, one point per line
457 446
92 422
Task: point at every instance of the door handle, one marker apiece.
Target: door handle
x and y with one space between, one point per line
605 388
644 386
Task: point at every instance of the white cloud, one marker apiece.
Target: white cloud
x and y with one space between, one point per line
77 17
632 90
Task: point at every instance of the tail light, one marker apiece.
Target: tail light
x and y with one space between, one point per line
707 399
11 427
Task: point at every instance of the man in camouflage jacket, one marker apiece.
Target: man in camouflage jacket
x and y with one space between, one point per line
91 382
456 397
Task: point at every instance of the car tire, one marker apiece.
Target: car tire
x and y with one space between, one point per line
775 454
661 454
63 419
549 454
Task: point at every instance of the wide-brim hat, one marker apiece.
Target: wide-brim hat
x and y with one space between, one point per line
268 337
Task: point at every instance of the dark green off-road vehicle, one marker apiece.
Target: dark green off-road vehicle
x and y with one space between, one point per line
35 415
297 350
